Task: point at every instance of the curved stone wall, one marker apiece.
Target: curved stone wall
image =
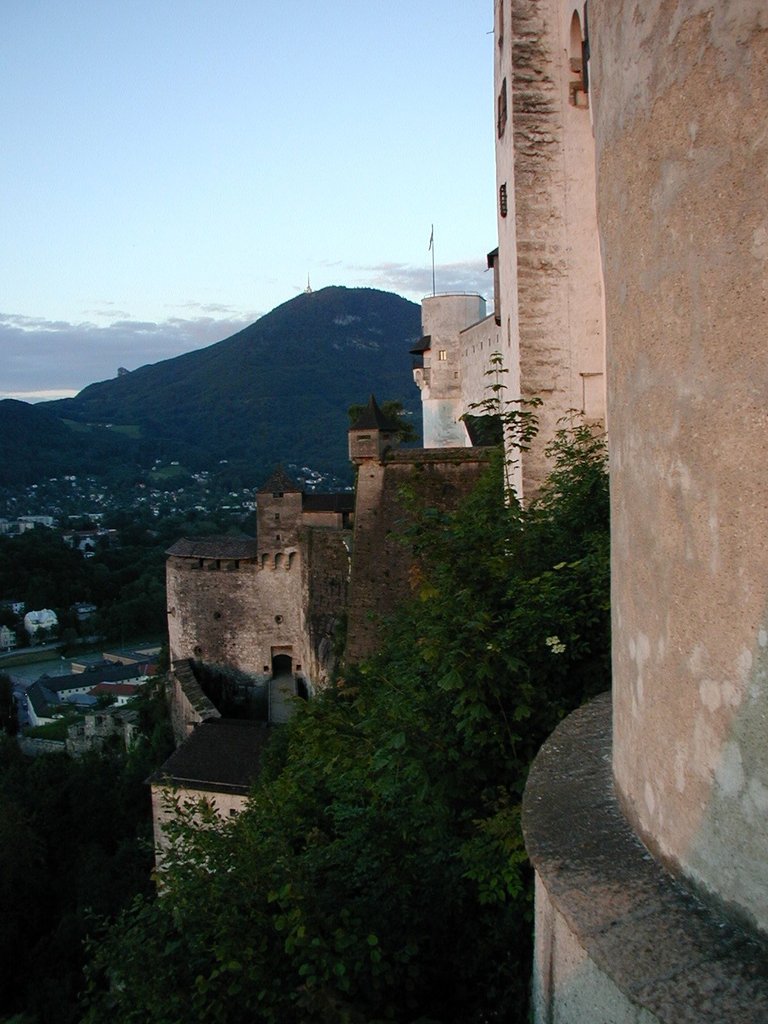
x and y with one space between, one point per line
680 93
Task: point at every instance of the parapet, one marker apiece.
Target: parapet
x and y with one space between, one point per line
617 937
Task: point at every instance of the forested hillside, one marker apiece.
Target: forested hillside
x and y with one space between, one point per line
277 391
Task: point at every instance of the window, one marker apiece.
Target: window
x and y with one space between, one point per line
578 57
501 110
503 199
277 517
442 355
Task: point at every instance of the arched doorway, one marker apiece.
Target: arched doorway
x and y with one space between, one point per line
282 665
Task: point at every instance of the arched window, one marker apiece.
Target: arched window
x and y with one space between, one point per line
578 51
501 110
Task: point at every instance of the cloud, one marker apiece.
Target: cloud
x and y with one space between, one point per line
207 307
108 314
42 356
468 276
38 396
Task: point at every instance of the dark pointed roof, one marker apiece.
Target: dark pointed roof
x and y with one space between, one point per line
372 418
279 483
424 344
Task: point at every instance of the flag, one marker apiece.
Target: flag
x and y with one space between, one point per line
431 238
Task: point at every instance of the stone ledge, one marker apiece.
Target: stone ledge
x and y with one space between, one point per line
669 954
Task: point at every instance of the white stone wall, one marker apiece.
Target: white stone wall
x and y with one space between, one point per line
549 262
443 318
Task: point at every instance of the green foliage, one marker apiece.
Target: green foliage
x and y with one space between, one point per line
9 722
378 873
74 843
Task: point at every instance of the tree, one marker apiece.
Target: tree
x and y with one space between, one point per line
378 873
9 722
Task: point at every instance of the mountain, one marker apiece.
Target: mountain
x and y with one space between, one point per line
277 391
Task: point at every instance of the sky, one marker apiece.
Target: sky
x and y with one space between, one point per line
174 170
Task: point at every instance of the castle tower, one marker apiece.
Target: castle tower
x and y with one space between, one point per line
680 92
371 434
278 513
443 401
549 300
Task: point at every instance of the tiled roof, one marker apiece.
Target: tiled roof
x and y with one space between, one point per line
214 547
222 755
93 676
41 699
116 689
343 502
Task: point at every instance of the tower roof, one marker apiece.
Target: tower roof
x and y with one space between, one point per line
424 344
372 418
279 483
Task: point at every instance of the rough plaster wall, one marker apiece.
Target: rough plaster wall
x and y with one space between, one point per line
287 509
681 90
557 273
509 333
229 617
443 318
327 568
381 562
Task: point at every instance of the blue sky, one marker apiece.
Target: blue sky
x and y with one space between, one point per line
173 170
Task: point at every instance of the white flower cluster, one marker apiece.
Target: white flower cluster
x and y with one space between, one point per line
555 644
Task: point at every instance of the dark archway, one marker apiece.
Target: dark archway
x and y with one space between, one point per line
282 665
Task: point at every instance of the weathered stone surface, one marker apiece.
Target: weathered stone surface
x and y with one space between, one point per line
627 933
381 562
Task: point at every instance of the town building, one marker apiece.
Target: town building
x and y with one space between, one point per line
216 766
7 638
41 624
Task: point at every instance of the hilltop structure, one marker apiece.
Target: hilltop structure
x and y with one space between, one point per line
676 94
265 606
631 160
546 327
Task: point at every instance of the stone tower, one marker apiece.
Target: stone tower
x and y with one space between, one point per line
269 604
549 301
678 92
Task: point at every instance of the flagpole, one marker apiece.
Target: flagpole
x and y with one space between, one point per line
432 248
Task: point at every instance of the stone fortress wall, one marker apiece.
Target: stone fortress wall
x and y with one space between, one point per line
265 605
383 559
677 93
